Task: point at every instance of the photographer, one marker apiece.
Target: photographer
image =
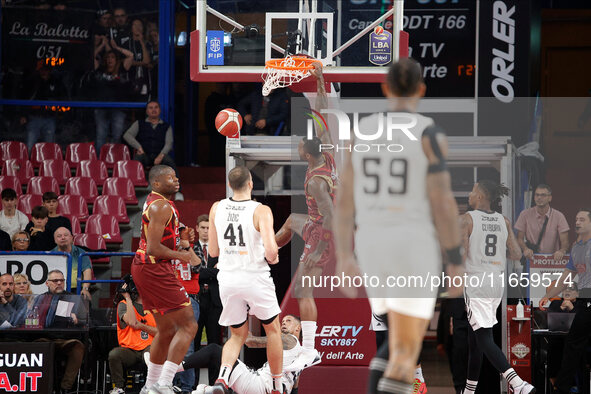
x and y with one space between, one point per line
135 330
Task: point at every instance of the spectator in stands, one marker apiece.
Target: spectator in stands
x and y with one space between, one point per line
153 48
120 32
542 229
47 304
264 115
151 138
41 239
65 243
209 294
188 275
110 82
140 77
11 219
13 307
55 221
102 33
40 121
5 242
22 287
21 241
135 331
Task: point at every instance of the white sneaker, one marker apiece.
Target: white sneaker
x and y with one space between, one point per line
200 389
117 390
158 389
145 390
524 388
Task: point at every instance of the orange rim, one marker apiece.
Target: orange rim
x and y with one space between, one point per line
305 63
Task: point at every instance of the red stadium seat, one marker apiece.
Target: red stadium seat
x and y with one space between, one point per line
57 168
131 169
95 243
73 205
42 184
23 169
111 205
76 229
105 226
112 153
45 151
122 187
13 150
82 186
78 151
26 202
95 169
11 182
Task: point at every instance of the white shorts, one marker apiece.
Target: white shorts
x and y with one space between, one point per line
245 293
244 380
482 301
421 308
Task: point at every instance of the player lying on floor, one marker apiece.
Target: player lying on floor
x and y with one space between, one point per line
244 380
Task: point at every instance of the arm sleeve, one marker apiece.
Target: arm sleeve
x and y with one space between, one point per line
562 223
520 224
121 309
130 135
167 142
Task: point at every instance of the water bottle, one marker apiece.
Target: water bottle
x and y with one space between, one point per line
519 310
35 322
29 319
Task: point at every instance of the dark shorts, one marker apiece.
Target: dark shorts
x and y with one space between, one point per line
311 234
161 291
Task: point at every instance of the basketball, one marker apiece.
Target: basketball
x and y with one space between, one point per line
228 122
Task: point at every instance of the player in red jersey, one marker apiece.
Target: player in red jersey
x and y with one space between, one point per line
154 276
314 227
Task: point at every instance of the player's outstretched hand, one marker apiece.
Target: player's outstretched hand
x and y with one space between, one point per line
316 72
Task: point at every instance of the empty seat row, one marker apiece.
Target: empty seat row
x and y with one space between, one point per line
60 170
75 152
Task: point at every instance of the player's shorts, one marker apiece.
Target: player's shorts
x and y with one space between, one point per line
312 235
244 293
244 380
160 289
421 308
482 303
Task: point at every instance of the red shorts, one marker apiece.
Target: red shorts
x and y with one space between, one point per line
312 235
160 289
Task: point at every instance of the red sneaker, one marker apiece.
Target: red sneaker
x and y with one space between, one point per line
419 387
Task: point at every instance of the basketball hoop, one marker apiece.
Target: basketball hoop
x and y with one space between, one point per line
284 72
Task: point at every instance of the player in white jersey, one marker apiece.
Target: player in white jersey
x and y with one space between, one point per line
393 196
241 234
488 241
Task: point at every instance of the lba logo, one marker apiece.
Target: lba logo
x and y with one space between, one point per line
389 129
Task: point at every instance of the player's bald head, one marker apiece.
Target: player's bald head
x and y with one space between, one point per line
157 171
238 178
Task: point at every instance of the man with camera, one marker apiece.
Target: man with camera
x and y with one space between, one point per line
542 229
135 330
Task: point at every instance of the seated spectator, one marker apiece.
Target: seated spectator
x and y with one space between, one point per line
135 331
568 303
21 241
65 243
13 307
5 242
22 287
264 115
55 221
41 239
47 303
11 219
151 138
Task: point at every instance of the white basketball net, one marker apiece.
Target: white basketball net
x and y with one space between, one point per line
283 77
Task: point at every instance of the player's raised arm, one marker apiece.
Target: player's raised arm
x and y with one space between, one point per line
213 246
264 222
160 214
443 204
321 102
